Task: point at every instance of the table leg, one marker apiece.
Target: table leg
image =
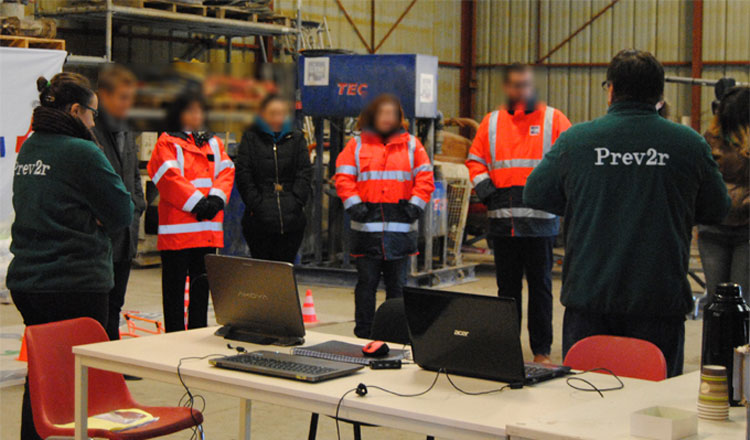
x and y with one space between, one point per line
245 407
81 400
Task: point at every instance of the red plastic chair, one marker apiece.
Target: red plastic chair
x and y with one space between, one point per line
51 384
627 357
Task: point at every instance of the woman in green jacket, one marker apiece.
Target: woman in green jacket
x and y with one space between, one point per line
67 199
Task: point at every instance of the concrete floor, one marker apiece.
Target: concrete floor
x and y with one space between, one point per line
335 308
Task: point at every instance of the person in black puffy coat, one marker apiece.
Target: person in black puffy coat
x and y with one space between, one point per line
273 178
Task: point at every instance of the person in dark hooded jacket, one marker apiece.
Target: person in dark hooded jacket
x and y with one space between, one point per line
273 179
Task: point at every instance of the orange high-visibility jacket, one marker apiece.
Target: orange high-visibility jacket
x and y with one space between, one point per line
383 175
185 173
505 150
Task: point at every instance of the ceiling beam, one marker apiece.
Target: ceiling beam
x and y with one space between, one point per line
395 25
577 31
354 26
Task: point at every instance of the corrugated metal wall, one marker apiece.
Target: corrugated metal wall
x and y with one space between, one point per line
430 27
507 30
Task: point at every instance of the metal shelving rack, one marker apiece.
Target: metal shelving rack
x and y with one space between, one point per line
108 12
124 13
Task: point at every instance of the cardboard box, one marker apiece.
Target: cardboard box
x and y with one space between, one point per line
146 142
663 423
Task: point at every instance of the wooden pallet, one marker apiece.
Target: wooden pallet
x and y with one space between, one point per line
232 13
280 19
31 42
165 5
223 12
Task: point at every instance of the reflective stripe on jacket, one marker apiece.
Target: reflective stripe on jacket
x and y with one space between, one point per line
185 173
383 175
507 147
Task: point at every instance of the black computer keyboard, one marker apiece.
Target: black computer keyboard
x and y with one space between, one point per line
275 364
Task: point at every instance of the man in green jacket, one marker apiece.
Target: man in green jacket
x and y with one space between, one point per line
630 185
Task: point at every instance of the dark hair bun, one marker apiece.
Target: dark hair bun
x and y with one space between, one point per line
64 90
41 83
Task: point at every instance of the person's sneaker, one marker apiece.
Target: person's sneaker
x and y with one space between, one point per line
542 359
129 377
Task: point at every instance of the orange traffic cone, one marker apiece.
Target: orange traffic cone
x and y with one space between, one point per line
187 300
22 354
308 309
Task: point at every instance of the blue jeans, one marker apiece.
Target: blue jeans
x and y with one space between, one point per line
369 271
725 255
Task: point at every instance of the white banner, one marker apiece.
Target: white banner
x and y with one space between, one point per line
19 69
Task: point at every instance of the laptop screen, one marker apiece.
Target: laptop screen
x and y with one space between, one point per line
465 334
255 295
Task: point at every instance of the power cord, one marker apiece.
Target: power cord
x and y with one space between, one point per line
475 393
363 389
592 387
188 399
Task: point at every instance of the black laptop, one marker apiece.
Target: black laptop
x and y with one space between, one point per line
470 335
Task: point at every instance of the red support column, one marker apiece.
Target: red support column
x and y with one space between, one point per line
697 64
372 23
467 91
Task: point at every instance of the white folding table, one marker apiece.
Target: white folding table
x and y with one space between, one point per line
609 418
443 412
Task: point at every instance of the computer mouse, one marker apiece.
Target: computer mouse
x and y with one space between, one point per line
376 348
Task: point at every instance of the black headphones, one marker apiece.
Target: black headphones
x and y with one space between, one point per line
238 348
361 390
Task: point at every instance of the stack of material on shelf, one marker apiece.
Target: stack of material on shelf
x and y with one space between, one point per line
232 93
260 8
245 10
13 21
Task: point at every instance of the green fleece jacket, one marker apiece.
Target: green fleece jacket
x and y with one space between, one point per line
61 186
630 185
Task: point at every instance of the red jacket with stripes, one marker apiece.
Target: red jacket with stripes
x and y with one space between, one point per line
384 175
184 173
505 150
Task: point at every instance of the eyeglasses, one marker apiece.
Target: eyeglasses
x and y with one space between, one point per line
94 111
605 84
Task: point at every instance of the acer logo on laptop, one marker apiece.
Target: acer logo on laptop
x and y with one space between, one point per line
253 295
462 333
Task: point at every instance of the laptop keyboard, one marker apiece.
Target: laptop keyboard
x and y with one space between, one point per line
536 371
278 365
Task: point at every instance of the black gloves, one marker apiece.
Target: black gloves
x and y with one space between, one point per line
485 190
201 209
412 211
358 212
207 208
217 205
